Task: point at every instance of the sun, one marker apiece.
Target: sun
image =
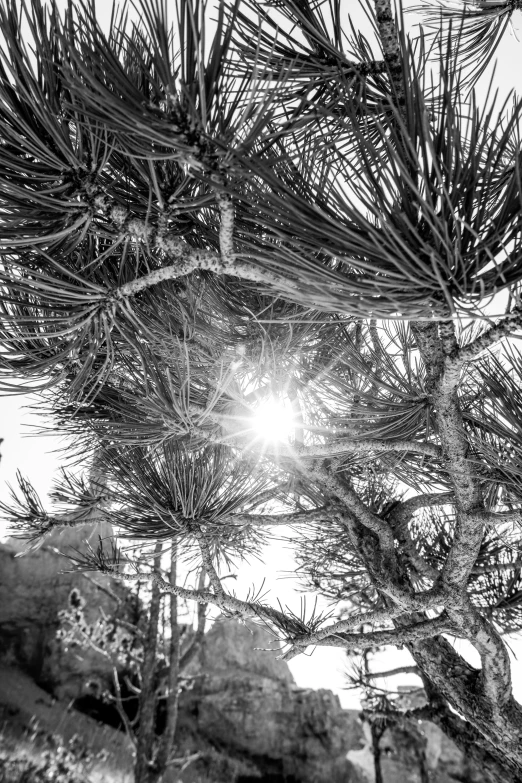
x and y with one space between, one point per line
273 420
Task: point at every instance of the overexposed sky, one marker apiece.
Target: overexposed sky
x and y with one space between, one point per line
37 458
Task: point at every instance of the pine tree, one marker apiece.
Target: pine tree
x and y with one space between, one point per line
207 213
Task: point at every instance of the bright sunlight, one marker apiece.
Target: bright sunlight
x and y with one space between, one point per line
274 420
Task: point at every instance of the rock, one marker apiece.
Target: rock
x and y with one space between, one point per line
231 647
33 591
246 700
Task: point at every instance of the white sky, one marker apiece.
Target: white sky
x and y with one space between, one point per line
35 457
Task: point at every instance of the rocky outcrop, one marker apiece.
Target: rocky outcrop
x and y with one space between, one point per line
246 700
241 712
34 589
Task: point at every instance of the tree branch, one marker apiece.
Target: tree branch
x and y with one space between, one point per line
228 604
466 737
390 45
395 672
292 518
226 228
206 557
495 676
147 698
196 641
403 512
510 323
376 617
456 681
366 445
188 260
166 742
397 637
41 527
341 491
399 518
443 382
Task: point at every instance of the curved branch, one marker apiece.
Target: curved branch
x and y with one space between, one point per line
466 737
341 491
403 512
399 518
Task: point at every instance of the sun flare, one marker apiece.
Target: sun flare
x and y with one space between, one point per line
274 420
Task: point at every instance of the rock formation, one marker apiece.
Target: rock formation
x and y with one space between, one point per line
246 700
34 588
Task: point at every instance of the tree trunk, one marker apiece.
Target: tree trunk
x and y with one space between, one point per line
376 733
167 739
143 768
497 730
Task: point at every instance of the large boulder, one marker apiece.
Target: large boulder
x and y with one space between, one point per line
247 701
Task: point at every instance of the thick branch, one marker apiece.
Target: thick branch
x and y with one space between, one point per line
188 260
495 676
377 617
341 491
429 345
399 518
443 373
266 520
398 637
456 680
382 565
466 737
404 511
511 323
